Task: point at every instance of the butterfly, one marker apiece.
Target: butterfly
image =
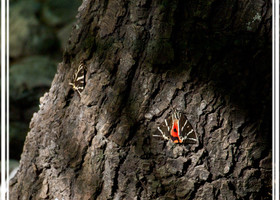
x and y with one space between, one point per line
178 129
79 80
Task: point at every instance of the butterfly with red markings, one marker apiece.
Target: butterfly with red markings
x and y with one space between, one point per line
79 79
178 129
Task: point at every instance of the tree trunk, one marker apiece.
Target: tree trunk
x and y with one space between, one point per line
209 59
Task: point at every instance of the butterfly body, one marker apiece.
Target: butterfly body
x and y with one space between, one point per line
178 129
79 80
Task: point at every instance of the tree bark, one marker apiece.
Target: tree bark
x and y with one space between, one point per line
209 59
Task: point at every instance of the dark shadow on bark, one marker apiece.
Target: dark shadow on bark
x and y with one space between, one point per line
236 62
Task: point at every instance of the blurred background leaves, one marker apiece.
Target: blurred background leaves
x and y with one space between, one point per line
39 32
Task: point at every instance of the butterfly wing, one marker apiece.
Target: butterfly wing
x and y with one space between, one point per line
187 133
165 127
79 79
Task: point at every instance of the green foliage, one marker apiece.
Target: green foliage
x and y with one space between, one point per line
29 74
57 13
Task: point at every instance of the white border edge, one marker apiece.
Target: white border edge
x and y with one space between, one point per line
8 97
3 100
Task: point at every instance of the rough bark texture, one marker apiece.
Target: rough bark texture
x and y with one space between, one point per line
209 59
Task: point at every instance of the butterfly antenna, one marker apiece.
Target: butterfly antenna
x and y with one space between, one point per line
172 108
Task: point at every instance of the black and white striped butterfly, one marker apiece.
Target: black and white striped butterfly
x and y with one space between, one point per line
79 79
178 129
